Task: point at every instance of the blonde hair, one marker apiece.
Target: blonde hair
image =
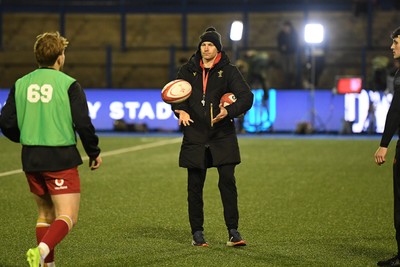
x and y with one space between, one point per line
48 47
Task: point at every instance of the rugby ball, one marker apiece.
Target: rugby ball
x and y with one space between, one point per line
176 91
227 99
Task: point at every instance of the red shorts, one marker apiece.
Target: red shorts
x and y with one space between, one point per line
54 183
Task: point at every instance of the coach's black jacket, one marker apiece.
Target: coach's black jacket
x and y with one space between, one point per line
392 124
220 138
46 158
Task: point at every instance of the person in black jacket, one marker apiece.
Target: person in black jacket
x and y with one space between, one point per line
43 110
288 43
392 125
209 135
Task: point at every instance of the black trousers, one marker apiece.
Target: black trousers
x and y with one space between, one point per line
228 191
396 194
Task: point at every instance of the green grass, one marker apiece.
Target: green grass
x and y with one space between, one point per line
302 202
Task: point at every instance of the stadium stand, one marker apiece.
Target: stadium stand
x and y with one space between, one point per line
138 44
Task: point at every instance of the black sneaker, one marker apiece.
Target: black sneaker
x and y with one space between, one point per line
235 240
198 239
395 261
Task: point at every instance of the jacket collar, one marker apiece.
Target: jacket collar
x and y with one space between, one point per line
216 60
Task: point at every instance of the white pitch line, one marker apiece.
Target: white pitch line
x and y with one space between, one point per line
116 152
10 172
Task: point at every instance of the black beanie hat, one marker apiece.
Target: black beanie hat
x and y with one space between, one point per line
211 35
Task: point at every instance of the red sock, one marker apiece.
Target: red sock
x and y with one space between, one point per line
57 231
42 226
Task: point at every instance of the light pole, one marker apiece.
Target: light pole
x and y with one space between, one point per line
235 36
313 35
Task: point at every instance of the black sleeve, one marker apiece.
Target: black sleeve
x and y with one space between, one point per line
8 118
392 120
244 97
82 122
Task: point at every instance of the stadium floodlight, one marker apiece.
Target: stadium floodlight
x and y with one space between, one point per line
236 36
236 31
314 33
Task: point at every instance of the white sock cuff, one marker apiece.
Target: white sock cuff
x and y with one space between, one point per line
44 249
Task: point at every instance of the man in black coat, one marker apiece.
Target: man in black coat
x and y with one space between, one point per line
392 125
209 135
288 43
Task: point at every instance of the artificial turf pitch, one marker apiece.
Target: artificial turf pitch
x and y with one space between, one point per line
302 202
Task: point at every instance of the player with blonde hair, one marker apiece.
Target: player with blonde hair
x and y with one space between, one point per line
43 112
